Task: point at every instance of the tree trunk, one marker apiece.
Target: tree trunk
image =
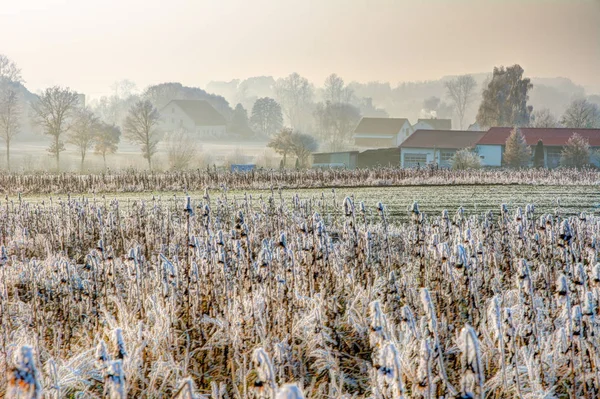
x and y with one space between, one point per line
57 149
8 154
104 158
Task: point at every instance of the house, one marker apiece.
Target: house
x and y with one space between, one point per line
381 132
194 116
433 124
379 157
491 145
435 146
345 159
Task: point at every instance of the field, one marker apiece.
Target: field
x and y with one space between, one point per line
353 292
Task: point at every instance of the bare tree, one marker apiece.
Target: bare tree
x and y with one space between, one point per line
10 114
461 91
295 94
53 111
140 128
582 114
335 91
84 131
107 140
336 123
281 143
303 145
543 118
9 71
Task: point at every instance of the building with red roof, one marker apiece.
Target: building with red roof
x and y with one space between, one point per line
491 146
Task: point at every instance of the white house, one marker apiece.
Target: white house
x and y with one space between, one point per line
433 124
491 146
381 132
194 116
426 147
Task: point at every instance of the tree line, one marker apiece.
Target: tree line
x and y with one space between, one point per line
330 121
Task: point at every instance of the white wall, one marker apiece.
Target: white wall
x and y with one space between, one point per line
174 118
430 152
492 155
405 131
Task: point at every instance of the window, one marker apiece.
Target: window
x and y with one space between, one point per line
413 160
446 157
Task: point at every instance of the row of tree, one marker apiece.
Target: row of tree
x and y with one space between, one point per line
517 154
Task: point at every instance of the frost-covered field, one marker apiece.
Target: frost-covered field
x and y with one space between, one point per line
346 293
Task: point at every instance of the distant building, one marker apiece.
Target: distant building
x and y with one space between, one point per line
425 147
194 116
491 146
343 159
433 124
381 132
379 157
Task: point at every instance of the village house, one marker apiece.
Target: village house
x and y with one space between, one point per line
491 146
433 124
426 147
381 132
194 116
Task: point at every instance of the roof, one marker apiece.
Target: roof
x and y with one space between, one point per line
380 126
337 152
549 136
438 124
200 111
442 139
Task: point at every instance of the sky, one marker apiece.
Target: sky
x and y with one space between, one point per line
89 44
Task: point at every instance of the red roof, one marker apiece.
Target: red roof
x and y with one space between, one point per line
549 136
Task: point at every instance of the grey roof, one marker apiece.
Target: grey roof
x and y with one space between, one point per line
438 124
451 139
380 125
200 111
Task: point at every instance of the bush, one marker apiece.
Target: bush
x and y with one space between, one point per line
181 150
465 159
576 153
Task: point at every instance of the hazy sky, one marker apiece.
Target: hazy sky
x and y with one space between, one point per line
89 44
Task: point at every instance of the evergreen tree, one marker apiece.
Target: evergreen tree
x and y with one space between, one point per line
538 155
516 152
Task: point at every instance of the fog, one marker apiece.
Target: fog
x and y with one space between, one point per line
390 59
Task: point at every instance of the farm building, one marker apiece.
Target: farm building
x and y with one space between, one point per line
433 124
344 159
379 157
381 132
425 147
194 116
491 146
